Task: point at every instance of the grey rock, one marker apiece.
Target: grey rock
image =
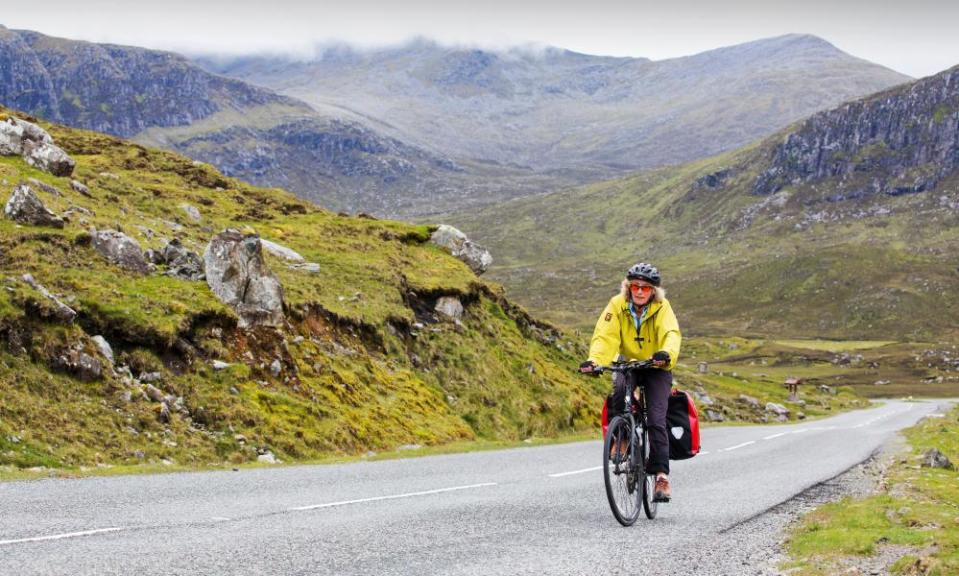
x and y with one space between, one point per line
777 409
746 399
450 306
933 458
81 188
714 416
49 158
43 186
120 250
153 393
267 458
282 251
104 347
164 412
25 207
192 212
220 365
62 312
151 377
11 138
79 364
276 367
181 262
311 267
238 276
475 256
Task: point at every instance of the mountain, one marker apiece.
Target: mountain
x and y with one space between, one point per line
844 225
563 113
162 99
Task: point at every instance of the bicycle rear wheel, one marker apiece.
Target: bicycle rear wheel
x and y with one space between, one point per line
649 480
621 470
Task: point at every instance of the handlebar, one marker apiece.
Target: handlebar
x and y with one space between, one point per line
622 367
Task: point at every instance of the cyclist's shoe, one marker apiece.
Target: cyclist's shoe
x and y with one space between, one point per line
662 492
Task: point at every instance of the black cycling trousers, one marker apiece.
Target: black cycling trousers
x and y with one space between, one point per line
658 384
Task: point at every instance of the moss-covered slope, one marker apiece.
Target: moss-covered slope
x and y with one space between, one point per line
361 363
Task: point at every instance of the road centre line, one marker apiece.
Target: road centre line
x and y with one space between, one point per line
392 496
61 536
775 436
561 474
737 446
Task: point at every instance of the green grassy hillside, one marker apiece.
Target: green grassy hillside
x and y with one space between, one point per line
360 365
798 262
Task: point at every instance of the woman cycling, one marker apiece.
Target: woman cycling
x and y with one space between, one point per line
639 324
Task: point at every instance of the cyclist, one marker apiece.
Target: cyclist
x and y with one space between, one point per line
639 324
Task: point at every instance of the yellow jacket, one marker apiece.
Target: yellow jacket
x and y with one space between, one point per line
615 333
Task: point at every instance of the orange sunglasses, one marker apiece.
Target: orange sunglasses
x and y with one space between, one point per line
644 288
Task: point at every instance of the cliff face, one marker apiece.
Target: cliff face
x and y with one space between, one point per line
114 89
901 141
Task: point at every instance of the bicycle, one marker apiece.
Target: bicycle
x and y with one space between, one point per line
626 453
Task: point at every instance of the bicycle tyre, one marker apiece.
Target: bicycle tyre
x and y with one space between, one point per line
617 476
650 506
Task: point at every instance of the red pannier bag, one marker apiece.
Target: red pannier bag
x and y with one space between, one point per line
682 426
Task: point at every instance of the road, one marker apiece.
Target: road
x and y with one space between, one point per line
533 510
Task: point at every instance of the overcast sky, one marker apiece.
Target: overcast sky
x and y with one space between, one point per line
916 37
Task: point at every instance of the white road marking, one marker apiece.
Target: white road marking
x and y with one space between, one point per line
703 453
737 446
60 536
775 436
219 518
393 496
561 474
800 431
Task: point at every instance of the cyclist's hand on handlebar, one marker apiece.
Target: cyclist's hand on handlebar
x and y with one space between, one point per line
661 358
589 367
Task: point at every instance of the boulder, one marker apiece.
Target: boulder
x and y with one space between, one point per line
62 312
192 212
11 138
120 249
79 364
49 158
777 409
238 276
182 263
450 306
933 458
282 251
26 208
474 255
104 347
748 400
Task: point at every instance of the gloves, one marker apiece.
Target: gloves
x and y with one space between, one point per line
587 367
661 358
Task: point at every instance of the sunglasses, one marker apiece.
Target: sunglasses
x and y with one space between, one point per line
640 288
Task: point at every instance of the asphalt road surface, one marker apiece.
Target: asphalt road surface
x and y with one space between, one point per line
534 510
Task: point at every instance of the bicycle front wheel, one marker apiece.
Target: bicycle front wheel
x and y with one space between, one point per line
622 471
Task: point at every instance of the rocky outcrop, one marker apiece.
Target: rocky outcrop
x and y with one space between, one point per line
238 276
22 138
120 249
474 255
282 251
180 262
61 312
49 158
450 307
25 207
903 141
